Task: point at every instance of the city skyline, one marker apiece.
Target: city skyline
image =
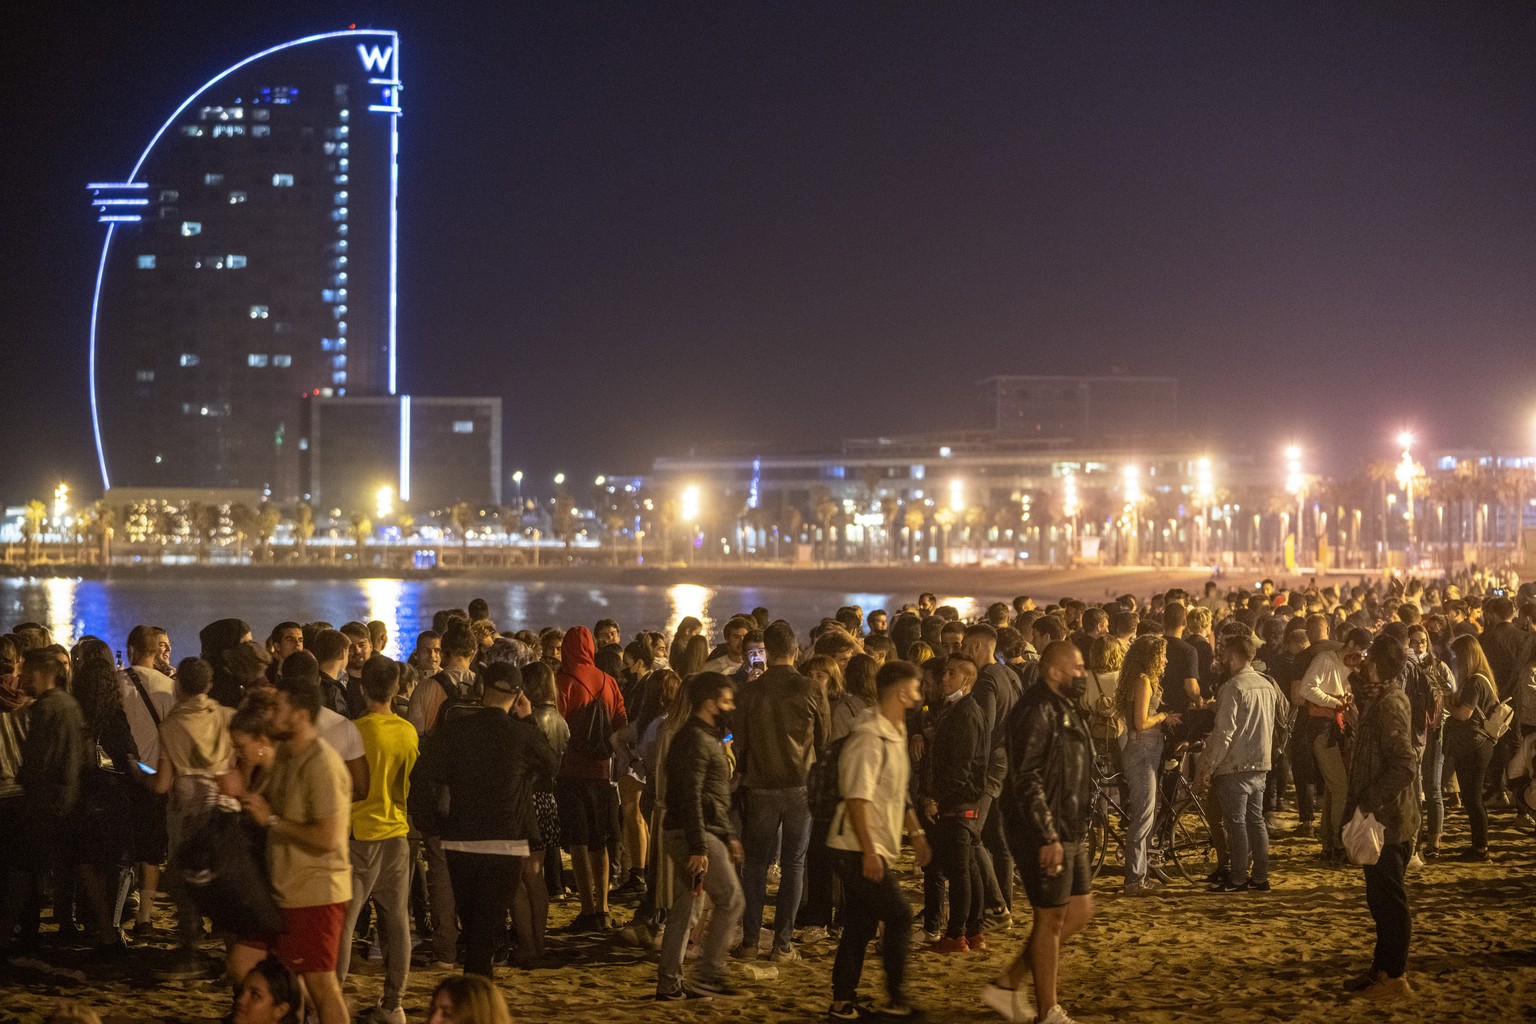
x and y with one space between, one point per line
816 222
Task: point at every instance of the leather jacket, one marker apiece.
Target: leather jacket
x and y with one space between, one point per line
1050 758
698 778
958 764
1385 767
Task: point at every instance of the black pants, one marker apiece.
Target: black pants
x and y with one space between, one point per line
956 847
866 904
483 884
1471 773
1387 898
820 878
996 861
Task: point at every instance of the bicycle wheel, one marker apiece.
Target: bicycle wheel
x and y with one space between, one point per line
1191 848
1098 838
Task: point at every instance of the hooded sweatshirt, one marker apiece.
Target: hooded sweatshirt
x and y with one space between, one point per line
195 737
578 683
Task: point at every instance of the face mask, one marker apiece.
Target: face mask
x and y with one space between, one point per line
1076 687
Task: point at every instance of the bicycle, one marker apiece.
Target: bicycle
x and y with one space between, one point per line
1181 830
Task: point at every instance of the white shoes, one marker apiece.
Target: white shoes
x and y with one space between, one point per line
1056 1016
1011 1004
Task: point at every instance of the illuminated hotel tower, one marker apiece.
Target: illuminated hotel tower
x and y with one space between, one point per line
249 260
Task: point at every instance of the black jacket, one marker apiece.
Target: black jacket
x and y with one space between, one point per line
957 768
1050 758
698 776
996 691
483 766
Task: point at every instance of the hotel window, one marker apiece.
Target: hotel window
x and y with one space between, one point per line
228 130
169 195
192 130
282 360
339 377
235 198
191 227
463 426
188 359
235 262
259 114
261 131
147 262
282 181
145 376
256 359
213 179
259 312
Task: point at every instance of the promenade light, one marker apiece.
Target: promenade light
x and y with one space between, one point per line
61 501
384 502
957 495
559 479
1132 477
690 503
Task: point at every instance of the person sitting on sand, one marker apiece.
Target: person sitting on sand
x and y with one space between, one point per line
468 999
269 994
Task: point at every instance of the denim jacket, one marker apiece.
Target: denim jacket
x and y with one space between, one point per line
1243 737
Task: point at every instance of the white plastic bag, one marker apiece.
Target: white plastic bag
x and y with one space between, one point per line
1364 837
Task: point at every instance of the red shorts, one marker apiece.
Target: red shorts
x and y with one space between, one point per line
309 941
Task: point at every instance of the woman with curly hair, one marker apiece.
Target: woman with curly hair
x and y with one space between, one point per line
1137 697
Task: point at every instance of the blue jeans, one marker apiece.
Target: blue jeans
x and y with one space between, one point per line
1140 760
1241 795
1432 774
767 811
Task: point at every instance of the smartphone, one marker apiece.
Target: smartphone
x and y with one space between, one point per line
756 659
728 737
146 769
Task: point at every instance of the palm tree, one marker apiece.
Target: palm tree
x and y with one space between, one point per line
303 528
204 520
913 520
242 520
32 527
268 517
361 528
462 517
825 510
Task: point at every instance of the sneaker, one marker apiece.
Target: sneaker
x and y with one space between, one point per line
998 919
1474 856
442 965
784 954
931 937
143 930
1227 887
1056 1015
1431 854
1254 885
745 951
1011 1004
1221 876
976 942
815 933
1389 990
898 1009
1306 830
678 994
715 987
383 1016
844 1011
948 945
1145 887
1361 982
1415 863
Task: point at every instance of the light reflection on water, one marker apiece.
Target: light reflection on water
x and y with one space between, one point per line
72 608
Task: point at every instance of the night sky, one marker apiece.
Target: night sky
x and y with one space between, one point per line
645 225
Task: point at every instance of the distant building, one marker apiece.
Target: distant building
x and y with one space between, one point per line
430 452
249 259
1084 409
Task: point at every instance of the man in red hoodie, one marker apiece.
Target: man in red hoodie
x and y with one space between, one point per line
589 700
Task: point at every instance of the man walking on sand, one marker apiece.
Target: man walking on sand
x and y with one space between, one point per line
1049 757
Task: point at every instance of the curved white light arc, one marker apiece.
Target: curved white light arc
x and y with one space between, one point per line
106 245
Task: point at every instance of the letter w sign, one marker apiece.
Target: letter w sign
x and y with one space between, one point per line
375 60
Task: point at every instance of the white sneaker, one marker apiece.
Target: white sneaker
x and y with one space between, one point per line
1415 863
1011 1004
395 1016
1056 1015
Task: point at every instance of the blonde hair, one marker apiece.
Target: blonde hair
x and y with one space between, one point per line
1107 653
475 1000
1199 619
1146 659
827 665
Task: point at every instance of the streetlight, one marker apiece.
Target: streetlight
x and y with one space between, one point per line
1407 469
1131 473
1205 494
600 481
957 495
384 502
1296 483
559 479
517 478
60 503
1070 507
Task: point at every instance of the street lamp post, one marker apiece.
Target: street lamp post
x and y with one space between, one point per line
517 478
1296 484
1406 471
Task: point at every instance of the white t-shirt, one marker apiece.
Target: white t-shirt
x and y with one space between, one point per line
162 694
341 733
873 766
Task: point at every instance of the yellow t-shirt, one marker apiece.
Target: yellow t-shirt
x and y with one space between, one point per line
304 788
391 746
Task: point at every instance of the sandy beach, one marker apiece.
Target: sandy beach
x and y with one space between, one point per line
1184 956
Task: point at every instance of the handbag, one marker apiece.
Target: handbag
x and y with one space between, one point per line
1364 837
1497 722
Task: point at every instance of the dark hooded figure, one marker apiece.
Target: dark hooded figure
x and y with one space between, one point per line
218 639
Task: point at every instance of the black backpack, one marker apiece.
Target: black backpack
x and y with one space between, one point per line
822 789
592 731
459 699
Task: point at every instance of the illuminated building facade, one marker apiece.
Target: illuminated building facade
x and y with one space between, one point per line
250 259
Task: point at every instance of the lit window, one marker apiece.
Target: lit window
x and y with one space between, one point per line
343 113
256 359
282 181
145 376
236 198
341 197
188 359
282 360
234 262
261 131
190 228
330 148
343 164
147 262
213 179
281 328
339 377
259 114
228 130
463 426
340 311
340 213
259 312
303 444
192 130
169 195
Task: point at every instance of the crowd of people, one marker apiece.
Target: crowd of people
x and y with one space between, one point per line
306 798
